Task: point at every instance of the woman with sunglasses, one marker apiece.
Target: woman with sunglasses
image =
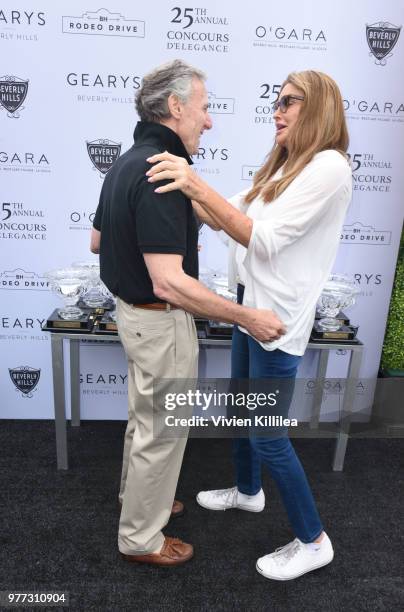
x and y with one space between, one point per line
284 235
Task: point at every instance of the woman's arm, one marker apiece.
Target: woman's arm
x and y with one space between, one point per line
224 215
204 217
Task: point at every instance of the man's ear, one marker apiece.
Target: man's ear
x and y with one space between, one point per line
174 106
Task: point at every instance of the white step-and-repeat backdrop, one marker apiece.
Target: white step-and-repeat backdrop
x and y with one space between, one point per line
69 72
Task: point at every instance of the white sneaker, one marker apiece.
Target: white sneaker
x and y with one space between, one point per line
224 499
295 559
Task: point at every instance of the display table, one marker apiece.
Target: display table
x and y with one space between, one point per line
57 338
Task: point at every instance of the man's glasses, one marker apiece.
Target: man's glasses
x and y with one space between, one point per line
284 102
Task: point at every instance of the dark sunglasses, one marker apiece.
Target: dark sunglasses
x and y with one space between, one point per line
284 103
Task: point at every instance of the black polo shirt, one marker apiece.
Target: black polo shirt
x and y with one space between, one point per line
134 220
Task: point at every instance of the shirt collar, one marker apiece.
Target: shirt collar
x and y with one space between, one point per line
162 136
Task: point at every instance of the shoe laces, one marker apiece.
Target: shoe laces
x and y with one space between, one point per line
284 554
229 495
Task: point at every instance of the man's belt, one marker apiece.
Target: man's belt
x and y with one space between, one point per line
156 306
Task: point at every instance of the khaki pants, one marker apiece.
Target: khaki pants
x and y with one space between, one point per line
158 344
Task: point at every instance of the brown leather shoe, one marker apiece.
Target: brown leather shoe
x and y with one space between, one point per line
174 552
177 510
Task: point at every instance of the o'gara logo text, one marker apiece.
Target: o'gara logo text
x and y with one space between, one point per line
25 379
382 38
13 92
103 153
81 220
374 110
24 161
290 37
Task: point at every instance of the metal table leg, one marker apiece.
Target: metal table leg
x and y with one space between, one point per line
59 401
349 399
202 362
319 389
75 381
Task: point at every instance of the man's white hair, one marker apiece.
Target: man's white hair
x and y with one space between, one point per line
172 78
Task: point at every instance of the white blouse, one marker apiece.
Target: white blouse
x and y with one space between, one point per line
293 246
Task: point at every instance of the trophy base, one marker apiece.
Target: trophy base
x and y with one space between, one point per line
341 317
223 331
94 304
71 313
107 325
329 324
345 333
84 324
106 305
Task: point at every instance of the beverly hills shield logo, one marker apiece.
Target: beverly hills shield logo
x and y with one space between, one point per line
382 38
25 379
13 92
103 153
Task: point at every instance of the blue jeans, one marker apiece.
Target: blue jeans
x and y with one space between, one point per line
250 360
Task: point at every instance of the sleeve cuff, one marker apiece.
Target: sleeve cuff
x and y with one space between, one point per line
261 245
162 249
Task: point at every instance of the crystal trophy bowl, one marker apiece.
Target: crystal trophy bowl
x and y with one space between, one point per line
68 284
338 294
93 297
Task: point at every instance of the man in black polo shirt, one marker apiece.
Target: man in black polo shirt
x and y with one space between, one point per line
148 249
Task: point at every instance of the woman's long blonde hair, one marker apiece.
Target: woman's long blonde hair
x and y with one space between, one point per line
320 125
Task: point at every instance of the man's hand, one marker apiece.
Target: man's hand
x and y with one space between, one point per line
95 241
264 325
